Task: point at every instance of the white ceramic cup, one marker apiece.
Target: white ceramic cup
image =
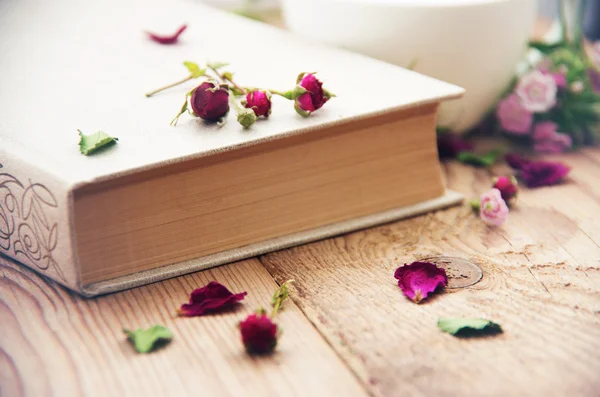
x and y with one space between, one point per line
475 44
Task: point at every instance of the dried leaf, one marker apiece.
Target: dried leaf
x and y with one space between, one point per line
89 144
194 69
145 340
468 326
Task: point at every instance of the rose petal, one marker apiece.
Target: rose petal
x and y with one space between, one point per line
211 298
418 279
544 173
538 173
515 160
172 39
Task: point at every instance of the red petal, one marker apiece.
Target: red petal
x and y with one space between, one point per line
166 39
211 298
419 279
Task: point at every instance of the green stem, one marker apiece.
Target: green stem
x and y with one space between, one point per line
276 308
225 80
564 29
149 94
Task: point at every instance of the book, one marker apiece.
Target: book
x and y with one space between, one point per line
170 200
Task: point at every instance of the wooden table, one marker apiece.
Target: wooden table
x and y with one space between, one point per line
349 331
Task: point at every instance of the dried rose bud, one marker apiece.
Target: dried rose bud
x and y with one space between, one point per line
259 101
312 95
507 186
210 101
259 334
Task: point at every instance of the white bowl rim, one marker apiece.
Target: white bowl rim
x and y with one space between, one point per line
421 3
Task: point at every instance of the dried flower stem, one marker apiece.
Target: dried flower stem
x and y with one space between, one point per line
149 94
279 297
225 80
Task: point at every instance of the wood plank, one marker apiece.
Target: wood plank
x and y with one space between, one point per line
56 343
541 283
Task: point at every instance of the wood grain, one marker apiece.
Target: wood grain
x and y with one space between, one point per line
541 282
54 343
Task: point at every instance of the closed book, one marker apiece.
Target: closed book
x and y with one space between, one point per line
168 200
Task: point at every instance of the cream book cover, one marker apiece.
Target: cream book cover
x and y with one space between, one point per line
69 65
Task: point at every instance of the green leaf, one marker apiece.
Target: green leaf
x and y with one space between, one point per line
486 160
183 109
545 48
89 144
468 326
216 65
145 340
194 69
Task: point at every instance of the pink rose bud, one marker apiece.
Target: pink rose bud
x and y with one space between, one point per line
577 87
260 102
513 117
313 96
210 101
259 334
493 210
537 91
507 186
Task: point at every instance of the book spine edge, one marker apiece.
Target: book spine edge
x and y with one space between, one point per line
35 217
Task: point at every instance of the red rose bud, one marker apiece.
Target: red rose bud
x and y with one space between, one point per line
260 102
210 101
507 186
309 94
259 334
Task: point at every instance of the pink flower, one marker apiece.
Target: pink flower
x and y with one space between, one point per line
260 102
419 279
537 91
538 173
547 140
314 97
170 39
513 117
560 77
210 101
259 334
450 145
507 185
492 208
211 298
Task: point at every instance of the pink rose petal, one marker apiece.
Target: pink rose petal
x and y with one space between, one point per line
419 279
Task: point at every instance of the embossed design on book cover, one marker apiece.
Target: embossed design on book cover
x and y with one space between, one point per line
25 229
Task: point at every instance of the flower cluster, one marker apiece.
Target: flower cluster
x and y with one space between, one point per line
211 99
555 105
